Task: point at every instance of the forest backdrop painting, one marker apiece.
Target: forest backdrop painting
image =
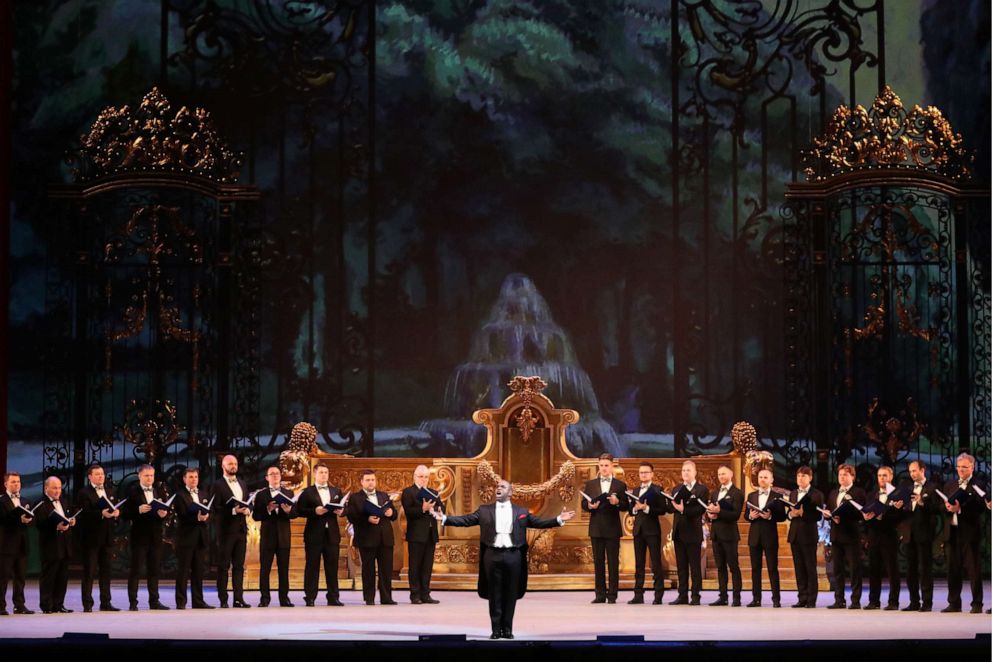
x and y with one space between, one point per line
591 191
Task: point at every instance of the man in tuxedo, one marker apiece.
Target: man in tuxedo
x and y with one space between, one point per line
146 536
764 512
964 537
804 535
604 527
647 534
321 536
13 543
55 543
192 539
723 515
917 531
232 532
275 537
374 538
687 533
502 553
883 543
421 536
95 534
845 537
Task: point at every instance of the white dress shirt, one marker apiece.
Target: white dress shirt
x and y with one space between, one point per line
917 490
605 484
324 492
504 524
149 494
840 496
58 507
762 498
15 499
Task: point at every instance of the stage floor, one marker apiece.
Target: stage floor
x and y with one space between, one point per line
548 616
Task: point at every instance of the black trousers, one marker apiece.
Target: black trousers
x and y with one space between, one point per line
606 551
13 567
382 557
231 555
919 572
147 558
53 582
190 566
963 557
96 560
644 545
327 550
847 557
770 551
726 557
502 567
883 555
281 556
807 579
688 563
421 568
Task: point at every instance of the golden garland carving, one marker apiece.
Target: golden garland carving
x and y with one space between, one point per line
527 388
563 483
151 138
886 136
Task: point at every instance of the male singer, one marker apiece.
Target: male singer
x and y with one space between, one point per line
13 543
604 527
232 532
95 534
147 524
55 544
723 515
275 536
687 533
321 536
374 539
421 536
804 536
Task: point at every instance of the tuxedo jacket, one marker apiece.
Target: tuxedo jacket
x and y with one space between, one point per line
420 526
53 544
190 532
604 521
724 528
485 519
850 527
687 526
886 526
647 524
368 534
969 528
805 530
764 532
225 522
146 528
13 532
275 528
319 526
920 525
92 529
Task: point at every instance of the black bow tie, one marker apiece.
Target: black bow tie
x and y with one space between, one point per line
16 496
146 489
194 491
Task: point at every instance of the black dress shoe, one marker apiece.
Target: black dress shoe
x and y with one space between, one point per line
496 635
636 600
240 604
287 603
837 605
47 611
926 608
871 606
158 606
108 608
205 606
598 601
611 601
721 602
133 608
430 601
754 603
799 605
951 609
855 605
370 603
87 610
23 610
3 612
507 634
309 603
679 601
694 602
332 603
388 602
976 609
912 607
736 602
264 602
811 605
776 604
416 601
62 610
223 605
891 607
181 607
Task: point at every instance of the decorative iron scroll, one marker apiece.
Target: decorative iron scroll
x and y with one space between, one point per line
151 427
892 432
149 138
562 483
527 388
888 137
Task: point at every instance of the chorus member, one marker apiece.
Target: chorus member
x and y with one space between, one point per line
804 536
145 539
846 537
421 535
502 553
321 536
275 538
604 527
964 542
14 524
374 539
192 539
95 534
55 544
883 543
648 507
231 529
762 538
687 533
917 531
723 515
